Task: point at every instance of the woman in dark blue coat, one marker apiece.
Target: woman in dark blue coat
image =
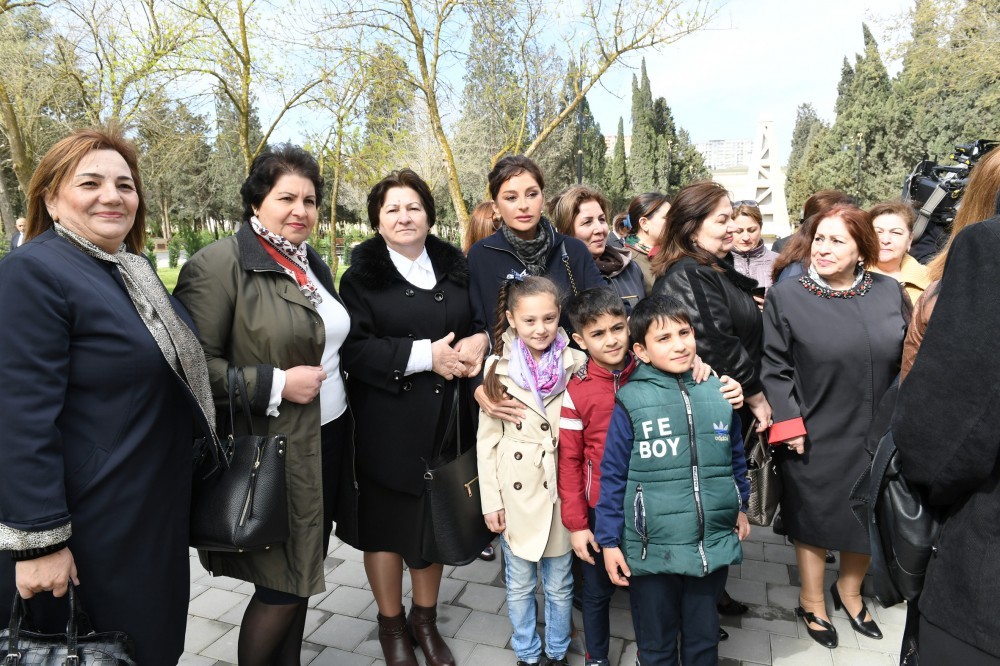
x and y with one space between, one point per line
96 423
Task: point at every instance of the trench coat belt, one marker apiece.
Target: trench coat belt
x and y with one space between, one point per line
548 464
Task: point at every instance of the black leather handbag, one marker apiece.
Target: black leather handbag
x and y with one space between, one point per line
902 528
79 646
239 501
457 532
765 478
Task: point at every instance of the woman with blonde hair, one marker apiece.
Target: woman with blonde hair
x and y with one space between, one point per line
893 222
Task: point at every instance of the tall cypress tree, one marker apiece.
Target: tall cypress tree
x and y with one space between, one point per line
642 157
618 189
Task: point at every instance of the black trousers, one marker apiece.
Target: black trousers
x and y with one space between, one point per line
672 606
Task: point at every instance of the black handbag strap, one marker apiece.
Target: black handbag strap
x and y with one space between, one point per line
17 614
569 271
454 426
238 385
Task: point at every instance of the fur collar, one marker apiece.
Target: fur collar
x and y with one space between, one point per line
370 261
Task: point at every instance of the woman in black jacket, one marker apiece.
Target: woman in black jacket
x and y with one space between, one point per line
408 295
694 266
947 429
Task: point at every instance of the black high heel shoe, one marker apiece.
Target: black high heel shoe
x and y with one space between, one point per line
827 636
869 628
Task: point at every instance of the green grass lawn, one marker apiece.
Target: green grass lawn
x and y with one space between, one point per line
169 276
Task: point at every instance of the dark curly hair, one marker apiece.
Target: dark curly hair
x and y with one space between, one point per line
269 166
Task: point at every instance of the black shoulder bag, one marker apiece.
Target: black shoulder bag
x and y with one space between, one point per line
239 501
79 645
456 532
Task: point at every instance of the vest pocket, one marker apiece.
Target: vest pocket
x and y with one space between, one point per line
639 509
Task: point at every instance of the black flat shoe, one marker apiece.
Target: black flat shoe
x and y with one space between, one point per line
723 634
827 636
730 606
488 554
869 628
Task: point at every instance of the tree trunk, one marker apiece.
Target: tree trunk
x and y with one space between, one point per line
18 148
6 210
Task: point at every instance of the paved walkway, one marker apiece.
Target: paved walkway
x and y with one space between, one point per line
341 627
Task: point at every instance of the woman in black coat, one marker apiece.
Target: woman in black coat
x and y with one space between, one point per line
408 295
947 430
96 423
833 341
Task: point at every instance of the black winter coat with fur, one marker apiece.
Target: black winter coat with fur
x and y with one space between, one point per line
399 420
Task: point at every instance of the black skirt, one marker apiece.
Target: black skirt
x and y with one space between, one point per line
387 521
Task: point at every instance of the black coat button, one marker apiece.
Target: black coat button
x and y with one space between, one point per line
518 456
439 296
438 388
517 485
545 484
545 426
411 336
518 426
407 386
397 375
410 292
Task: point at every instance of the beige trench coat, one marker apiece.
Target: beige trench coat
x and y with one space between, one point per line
517 468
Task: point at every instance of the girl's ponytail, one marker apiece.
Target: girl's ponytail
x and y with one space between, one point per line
494 390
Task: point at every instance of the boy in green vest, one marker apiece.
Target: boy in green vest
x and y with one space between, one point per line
673 488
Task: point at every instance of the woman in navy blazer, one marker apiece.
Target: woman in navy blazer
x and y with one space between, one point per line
96 424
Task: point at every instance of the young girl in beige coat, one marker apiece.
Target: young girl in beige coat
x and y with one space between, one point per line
531 363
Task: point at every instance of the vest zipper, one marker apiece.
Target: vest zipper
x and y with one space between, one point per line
639 508
694 477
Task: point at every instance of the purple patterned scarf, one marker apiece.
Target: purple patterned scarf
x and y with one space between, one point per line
543 377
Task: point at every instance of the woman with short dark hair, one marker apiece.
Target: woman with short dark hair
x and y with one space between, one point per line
264 303
893 222
646 218
750 256
410 342
833 340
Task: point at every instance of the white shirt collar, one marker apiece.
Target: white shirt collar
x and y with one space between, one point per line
419 273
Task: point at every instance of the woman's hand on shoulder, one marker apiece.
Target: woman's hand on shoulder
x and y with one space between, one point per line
471 351
509 410
732 391
302 383
49 573
700 371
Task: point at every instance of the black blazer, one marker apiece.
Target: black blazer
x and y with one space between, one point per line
399 419
15 239
947 430
727 323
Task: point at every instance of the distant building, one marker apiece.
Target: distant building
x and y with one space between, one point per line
722 154
611 139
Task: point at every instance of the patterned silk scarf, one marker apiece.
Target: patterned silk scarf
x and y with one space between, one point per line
542 377
177 343
292 259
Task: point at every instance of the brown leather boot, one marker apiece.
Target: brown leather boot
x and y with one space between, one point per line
423 628
397 646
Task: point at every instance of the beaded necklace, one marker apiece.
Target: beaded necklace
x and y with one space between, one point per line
859 289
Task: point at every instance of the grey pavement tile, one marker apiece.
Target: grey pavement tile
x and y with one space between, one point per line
780 553
343 632
224 649
309 653
461 650
486 628
621 623
221 582
245 587
765 535
775 620
786 651
345 552
768 572
188 659
488 655
450 588
346 600
478 571
629 651
235 614
451 618
747 591
370 613
481 597
734 571
196 589
783 595
334 657
202 632
892 615
331 563
850 657
750 645
314 620
348 573
892 638
213 603
752 550
370 647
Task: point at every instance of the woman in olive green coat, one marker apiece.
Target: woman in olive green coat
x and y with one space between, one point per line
264 301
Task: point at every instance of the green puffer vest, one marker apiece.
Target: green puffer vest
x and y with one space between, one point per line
681 500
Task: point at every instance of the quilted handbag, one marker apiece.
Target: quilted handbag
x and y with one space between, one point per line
453 507
79 646
765 479
239 500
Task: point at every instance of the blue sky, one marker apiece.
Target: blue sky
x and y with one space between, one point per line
758 59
